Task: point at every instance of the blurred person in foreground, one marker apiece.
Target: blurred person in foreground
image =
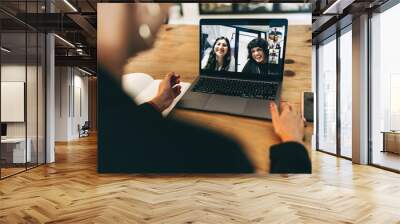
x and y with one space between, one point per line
137 139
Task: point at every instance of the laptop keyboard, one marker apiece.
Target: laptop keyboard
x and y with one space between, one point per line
232 87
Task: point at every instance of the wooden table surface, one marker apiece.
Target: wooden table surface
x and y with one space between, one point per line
177 49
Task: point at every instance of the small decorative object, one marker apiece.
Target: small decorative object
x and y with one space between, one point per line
308 106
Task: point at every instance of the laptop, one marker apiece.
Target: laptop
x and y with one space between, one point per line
241 67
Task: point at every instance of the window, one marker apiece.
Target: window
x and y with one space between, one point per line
326 60
22 107
346 93
385 89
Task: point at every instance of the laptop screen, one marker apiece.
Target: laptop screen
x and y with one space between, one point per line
246 48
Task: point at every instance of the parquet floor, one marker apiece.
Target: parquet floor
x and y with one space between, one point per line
70 191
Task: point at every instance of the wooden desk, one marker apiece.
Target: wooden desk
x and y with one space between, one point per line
176 49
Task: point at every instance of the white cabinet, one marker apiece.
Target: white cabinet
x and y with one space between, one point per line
19 154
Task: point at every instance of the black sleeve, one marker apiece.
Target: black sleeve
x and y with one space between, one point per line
149 109
203 150
138 139
246 68
289 157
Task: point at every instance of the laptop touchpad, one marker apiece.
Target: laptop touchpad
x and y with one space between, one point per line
194 100
227 104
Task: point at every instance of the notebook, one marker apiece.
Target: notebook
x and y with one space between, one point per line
142 88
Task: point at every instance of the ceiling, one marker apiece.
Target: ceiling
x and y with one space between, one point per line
74 21
330 15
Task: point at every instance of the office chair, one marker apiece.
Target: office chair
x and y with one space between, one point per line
84 130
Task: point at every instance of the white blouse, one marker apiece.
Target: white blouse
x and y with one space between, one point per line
231 67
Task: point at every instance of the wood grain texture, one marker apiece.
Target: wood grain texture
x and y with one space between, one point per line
177 49
71 191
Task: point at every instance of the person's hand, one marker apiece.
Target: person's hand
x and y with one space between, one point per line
288 124
168 90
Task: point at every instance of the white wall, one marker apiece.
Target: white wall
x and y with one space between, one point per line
12 73
12 101
62 81
71 102
191 16
80 111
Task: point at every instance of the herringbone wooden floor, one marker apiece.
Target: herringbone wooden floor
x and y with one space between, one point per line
71 191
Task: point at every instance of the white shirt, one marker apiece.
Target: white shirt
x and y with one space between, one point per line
204 61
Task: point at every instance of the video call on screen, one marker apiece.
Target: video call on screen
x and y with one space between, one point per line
226 48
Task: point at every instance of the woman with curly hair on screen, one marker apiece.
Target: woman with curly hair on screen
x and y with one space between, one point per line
257 57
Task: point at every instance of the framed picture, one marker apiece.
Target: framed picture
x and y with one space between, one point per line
216 8
252 8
